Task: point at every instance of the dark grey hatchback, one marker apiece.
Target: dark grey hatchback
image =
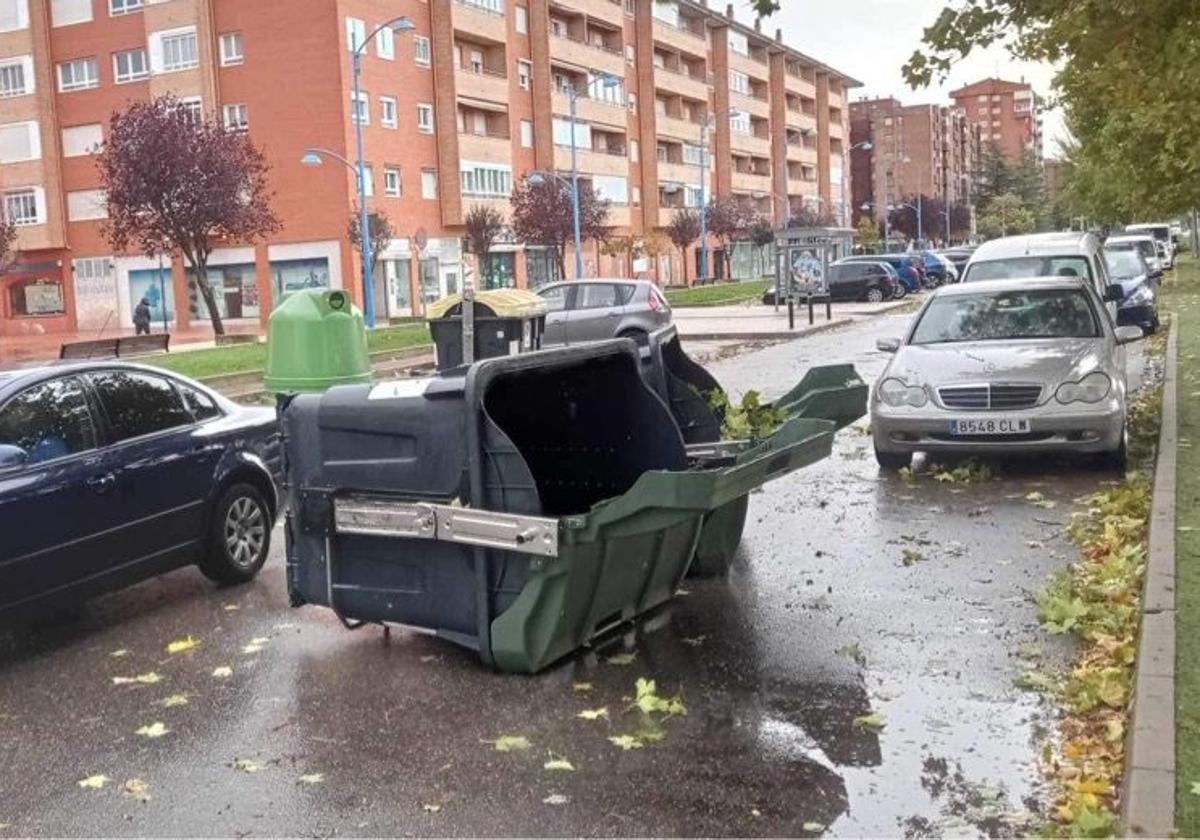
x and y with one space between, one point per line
111 473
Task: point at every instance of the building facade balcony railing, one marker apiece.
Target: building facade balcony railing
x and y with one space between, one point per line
588 54
484 84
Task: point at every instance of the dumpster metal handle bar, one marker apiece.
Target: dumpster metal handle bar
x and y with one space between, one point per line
383 517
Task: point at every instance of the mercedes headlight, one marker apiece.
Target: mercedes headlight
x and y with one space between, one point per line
897 393
1091 389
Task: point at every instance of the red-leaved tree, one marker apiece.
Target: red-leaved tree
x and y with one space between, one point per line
178 182
542 215
683 230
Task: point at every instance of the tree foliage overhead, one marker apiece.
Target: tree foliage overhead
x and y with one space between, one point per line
482 226
542 214
179 182
380 227
1006 215
1127 81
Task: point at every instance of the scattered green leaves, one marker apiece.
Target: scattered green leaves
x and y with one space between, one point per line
873 721
182 645
622 659
95 782
752 420
911 556
136 789
556 763
510 743
649 702
311 779
173 701
150 678
246 765
593 714
153 730
626 742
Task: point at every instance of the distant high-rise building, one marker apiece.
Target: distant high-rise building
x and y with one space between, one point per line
1008 115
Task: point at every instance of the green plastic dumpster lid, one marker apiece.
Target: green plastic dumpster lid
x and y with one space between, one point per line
506 303
316 339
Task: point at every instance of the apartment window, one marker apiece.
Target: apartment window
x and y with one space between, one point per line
124 7
739 43
24 206
496 6
368 181
237 117
524 71
391 181
67 12
385 43
81 140
421 50
16 76
740 122
425 118
130 66
526 134
231 49
80 74
84 205
614 188
739 82
360 108
173 50
14 14
356 33
558 27
194 108
20 141
428 183
521 19
667 12
630 7
562 133
488 180
387 111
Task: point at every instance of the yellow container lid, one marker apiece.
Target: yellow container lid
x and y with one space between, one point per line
505 303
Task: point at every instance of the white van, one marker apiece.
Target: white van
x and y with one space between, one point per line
1161 231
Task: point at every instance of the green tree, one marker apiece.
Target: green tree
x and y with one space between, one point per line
1007 215
867 232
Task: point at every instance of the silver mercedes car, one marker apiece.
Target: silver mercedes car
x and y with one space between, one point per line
1005 366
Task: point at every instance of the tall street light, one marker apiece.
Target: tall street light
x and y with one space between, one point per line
608 81
539 176
866 146
706 124
313 158
916 208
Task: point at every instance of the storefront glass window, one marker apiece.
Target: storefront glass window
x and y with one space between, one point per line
145 283
293 275
541 265
399 274
431 286
499 271
235 288
41 296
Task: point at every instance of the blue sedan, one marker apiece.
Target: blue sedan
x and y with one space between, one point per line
111 473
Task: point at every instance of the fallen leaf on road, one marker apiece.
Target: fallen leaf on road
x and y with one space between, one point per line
683 593
173 701
754 812
222 671
594 714
555 799
648 700
260 640
119 653
625 742
694 641
431 807
231 608
813 826
153 730
871 721
910 556
252 648
581 686
94 782
136 789
141 679
5 826
510 743
558 764
311 779
622 658
181 645
246 765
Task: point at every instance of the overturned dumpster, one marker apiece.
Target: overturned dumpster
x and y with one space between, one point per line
505 322
834 393
520 506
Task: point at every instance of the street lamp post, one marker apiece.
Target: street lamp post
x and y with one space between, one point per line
608 81
400 24
916 208
709 122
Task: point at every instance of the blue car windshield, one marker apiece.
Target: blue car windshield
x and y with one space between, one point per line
1008 315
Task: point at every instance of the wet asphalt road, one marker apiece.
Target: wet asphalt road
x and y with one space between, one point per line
819 622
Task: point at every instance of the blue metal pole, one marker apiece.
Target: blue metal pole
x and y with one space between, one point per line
364 233
703 204
575 193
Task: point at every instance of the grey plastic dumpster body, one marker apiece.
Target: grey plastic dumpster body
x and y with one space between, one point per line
507 322
520 506
830 392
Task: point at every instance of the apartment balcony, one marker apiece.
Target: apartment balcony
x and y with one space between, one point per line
502 205
677 128
485 148
666 214
750 182
585 54
799 186
591 162
618 215
609 11
800 120
681 38
483 22
801 154
674 81
486 85
799 86
751 105
591 110
750 144
836 130
681 173
836 100
749 66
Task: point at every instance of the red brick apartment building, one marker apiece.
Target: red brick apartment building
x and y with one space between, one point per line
454 111
929 150
1007 113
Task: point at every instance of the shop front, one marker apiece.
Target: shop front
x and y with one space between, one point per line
34 300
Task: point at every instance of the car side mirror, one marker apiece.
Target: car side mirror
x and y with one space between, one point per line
887 345
12 456
1114 294
1129 333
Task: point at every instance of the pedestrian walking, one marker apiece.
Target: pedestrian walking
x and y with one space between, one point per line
141 317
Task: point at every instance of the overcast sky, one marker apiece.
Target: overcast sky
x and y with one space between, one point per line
871 39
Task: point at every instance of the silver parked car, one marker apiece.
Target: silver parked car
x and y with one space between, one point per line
1005 366
593 310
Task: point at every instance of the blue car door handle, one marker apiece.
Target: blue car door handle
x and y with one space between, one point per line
102 483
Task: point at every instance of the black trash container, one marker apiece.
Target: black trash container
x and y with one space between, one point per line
507 322
520 506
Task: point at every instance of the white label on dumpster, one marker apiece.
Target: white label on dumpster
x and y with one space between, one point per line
398 389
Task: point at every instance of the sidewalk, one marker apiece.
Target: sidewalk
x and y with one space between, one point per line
17 351
755 321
